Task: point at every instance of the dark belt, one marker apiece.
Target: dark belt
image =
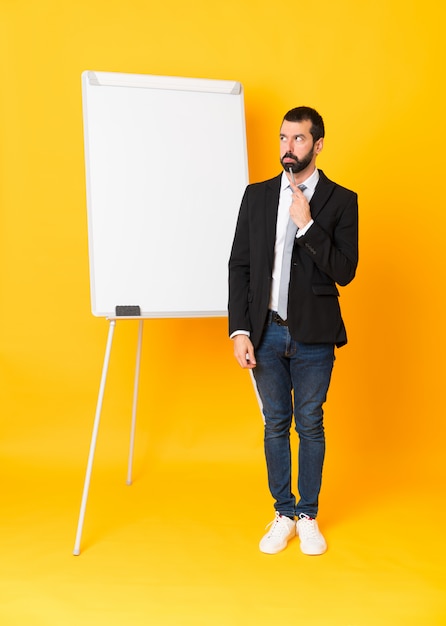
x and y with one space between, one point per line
273 316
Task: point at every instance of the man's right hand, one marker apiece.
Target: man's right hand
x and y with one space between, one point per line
244 352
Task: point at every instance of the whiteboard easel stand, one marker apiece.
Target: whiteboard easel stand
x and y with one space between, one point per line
97 419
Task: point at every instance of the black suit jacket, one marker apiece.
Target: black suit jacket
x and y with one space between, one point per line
327 254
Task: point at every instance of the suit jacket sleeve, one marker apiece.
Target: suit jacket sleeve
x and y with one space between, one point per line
239 272
333 246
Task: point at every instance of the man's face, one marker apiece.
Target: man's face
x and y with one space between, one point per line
297 150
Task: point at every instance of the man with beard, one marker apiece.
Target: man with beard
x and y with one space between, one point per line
296 238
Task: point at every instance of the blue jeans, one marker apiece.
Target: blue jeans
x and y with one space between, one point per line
287 369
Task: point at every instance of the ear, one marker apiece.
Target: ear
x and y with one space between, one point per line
319 145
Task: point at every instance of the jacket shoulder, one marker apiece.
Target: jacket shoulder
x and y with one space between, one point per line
270 182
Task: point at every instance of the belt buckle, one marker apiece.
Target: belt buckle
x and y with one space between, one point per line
278 320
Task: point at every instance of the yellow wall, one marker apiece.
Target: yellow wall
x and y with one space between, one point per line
375 71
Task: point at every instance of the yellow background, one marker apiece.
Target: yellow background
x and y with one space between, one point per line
374 70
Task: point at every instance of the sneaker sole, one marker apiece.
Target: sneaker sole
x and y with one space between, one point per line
313 552
266 551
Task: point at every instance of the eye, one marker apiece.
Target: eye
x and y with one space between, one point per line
298 138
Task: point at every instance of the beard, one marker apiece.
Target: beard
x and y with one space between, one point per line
297 165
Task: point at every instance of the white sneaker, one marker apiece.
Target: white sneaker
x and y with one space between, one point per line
282 530
312 541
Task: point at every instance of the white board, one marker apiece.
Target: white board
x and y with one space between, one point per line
166 167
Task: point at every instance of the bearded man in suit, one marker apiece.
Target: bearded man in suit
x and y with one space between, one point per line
296 239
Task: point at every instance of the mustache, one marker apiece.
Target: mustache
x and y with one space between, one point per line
290 155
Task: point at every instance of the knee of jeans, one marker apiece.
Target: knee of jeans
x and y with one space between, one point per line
277 428
312 430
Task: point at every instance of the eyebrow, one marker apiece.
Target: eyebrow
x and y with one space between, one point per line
292 135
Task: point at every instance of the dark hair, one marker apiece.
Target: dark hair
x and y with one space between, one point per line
300 114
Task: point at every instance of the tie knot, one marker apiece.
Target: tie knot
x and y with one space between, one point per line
301 187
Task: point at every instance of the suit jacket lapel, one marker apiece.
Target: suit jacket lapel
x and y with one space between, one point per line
323 191
272 206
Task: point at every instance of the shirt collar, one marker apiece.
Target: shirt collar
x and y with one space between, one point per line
310 183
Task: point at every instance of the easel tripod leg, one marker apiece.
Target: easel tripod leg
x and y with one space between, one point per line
135 403
80 525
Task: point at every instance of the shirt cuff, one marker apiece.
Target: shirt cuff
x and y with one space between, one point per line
239 332
301 232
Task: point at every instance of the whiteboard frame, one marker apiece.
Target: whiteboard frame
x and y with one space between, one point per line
171 87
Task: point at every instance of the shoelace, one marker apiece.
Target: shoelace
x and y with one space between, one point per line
276 527
310 529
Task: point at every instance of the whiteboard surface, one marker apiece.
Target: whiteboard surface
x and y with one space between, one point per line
166 167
